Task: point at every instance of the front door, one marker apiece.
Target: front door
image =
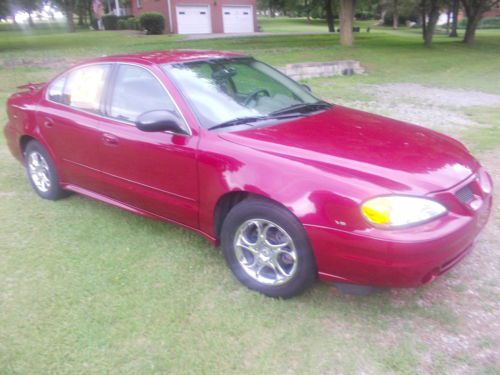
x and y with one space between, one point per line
155 172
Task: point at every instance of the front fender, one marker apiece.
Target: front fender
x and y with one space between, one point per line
315 195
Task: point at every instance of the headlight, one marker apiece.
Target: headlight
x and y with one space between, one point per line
397 211
485 182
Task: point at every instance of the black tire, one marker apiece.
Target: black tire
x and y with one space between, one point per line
52 190
268 212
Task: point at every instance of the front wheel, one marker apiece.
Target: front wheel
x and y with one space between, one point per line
267 249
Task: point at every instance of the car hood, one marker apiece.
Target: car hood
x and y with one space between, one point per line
398 156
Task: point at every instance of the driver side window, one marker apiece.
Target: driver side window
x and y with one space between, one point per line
136 91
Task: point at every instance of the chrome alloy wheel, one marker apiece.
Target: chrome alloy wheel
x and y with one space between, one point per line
39 171
265 251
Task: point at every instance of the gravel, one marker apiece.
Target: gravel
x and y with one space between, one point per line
435 108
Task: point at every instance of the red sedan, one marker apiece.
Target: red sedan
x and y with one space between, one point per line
292 187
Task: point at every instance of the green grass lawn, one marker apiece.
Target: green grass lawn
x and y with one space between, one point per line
86 288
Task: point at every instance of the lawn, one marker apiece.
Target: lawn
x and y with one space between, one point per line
86 288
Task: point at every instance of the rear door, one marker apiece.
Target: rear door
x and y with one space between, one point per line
69 120
155 172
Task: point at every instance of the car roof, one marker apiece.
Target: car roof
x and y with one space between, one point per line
168 56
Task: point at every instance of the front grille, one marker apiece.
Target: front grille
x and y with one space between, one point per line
465 194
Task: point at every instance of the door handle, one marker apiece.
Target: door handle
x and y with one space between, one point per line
109 139
48 123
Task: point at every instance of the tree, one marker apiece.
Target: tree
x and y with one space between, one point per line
474 10
346 21
4 9
85 11
29 6
395 14
455 5
308 7
329 16
273 6
68 8
430 15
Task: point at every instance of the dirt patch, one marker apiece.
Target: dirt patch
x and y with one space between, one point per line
434 96
432 117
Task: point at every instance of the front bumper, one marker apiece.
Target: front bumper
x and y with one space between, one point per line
407 257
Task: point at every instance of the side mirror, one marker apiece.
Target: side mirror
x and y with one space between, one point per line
159 121
306 87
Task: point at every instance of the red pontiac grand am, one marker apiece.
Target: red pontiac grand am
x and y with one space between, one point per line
292 187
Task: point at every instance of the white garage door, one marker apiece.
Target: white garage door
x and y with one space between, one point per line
238 19
193 19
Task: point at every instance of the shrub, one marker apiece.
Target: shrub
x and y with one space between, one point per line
364 15
152 22
110 22
123 24
134 23
485 23
490 23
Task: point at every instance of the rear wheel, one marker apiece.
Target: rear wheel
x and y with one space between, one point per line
267 249
41 172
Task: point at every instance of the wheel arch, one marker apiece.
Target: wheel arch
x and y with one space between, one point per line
230 199
24 140
27 138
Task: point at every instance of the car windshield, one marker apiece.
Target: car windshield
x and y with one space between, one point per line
227 92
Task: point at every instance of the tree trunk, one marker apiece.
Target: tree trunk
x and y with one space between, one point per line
329 16
13 12
90 12
423 15
68 10
448 15
30 18
382 16
81 15
454 21
395 15
431 23
470 30
474 11
346 21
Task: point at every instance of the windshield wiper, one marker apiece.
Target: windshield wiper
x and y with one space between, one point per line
302 107
248 120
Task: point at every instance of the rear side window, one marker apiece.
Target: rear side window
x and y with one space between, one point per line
84 87
137 91
55 92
